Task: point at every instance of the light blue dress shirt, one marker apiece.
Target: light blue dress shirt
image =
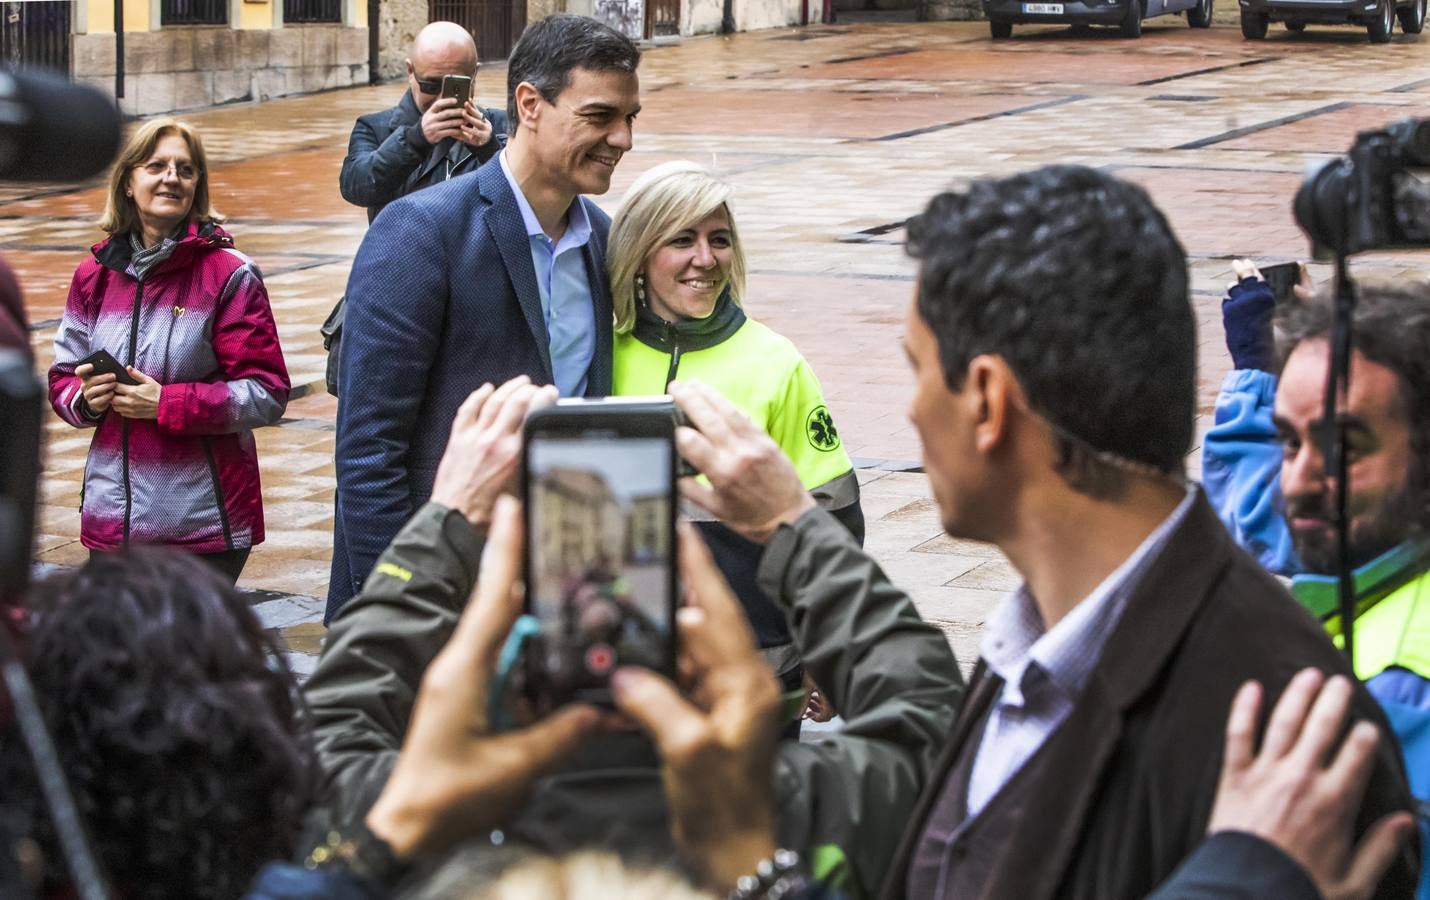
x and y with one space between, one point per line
566 301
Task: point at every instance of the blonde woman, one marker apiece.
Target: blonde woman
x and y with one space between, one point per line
187 318
677 280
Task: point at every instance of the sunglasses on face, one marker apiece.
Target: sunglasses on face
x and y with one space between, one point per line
433 85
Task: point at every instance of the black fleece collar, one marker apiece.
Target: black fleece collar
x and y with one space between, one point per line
690 334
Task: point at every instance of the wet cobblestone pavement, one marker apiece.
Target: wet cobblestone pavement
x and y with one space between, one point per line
833 136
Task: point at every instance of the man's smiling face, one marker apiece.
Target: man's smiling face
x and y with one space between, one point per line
581 137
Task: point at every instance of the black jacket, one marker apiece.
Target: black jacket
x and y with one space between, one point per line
1232 865
388 157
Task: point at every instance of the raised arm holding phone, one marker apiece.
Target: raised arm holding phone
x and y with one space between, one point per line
435 132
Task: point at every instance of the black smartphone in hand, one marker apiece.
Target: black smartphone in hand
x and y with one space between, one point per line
1282 279
599 484
458 87
105 364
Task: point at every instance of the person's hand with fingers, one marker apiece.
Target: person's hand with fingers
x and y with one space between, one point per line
454 779
476 130
1246 313
97 390
717 744
1305 289
137 401
816 705
1244 269
1301 791
484 449
753 487
443 119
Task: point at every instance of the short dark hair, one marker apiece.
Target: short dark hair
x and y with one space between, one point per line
1391 328
1076 280
174 716
550 48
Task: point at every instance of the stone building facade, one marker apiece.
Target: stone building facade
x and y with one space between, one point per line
252 54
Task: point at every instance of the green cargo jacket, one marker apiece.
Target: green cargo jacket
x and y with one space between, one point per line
843 798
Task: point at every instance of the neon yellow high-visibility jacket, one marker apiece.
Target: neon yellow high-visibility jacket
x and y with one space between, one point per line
763 374
1396 632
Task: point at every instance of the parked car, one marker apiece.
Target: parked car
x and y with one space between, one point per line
1127 15
1378 16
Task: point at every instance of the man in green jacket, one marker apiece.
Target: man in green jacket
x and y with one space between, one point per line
890 674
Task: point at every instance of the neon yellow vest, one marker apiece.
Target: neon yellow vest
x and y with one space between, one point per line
763 374
1395 632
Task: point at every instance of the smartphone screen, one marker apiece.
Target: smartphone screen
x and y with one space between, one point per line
600 551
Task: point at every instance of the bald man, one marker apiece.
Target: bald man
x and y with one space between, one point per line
422 140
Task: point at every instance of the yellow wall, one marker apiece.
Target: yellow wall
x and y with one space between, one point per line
256 15
100 15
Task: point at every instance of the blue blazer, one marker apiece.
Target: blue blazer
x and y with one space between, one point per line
442 298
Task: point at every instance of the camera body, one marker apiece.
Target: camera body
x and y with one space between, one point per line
1372 198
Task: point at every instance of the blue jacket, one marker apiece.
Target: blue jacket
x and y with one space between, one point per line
1241 469
442 298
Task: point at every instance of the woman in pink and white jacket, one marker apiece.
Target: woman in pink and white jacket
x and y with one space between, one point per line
173 459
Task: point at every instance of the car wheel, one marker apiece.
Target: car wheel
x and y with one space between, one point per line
1253 26
1383 24
1000 30
1200 16
1296 26
1131 24
1412 17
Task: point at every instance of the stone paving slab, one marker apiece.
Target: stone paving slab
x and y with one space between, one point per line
833 137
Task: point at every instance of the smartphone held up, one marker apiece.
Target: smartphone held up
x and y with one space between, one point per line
1282 278
599 487
457 87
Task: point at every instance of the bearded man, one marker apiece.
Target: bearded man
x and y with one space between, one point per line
1264 470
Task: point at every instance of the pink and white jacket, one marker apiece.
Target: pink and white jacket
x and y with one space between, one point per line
199 323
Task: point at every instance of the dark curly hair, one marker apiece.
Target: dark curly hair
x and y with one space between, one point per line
175 718
1076 280
1390 327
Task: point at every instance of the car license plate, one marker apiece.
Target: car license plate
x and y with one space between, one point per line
1050 9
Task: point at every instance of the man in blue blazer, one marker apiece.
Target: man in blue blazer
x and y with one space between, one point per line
479 280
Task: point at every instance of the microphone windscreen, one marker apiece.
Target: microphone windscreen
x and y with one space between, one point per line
54 130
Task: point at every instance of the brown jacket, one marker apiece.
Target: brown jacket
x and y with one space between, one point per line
1125 786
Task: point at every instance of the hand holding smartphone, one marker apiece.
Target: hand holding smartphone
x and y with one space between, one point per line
105 364
458 87
1282 279
599 488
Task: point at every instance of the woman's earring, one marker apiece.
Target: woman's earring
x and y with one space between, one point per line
640 288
